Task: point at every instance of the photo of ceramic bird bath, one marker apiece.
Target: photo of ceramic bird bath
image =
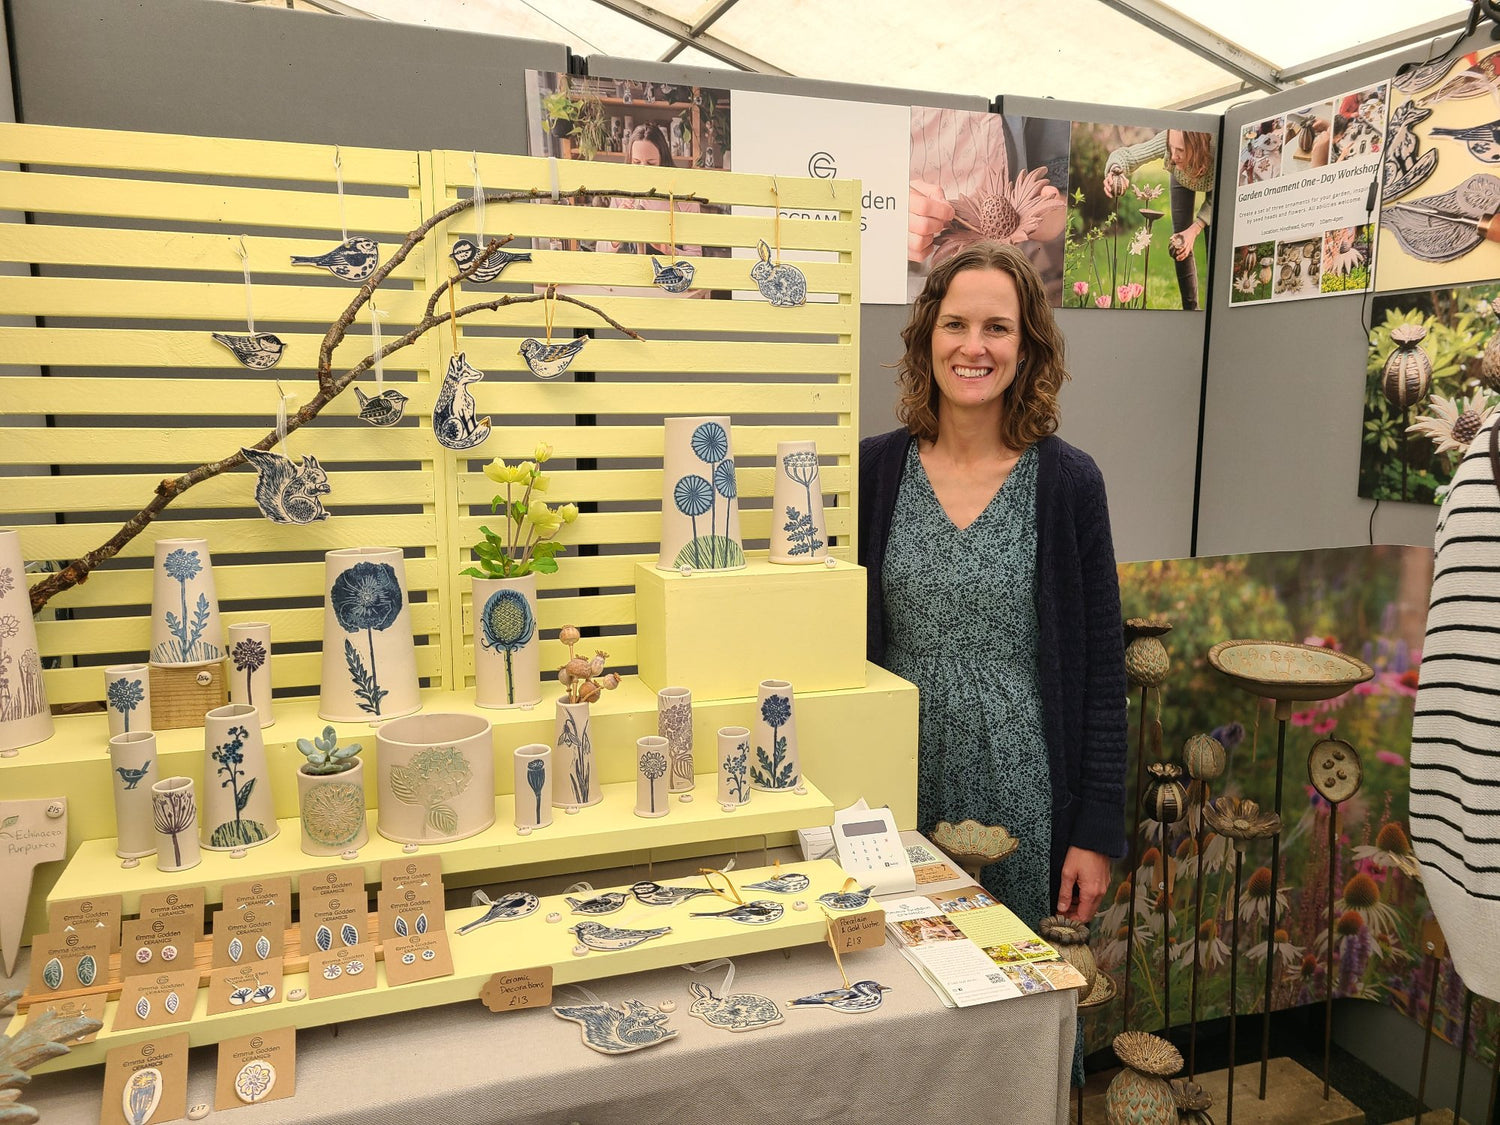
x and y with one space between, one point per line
1334 769
1286 673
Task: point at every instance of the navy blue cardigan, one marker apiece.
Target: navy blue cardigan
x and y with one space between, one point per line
1081 657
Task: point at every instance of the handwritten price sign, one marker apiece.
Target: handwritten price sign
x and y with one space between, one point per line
522 988
853 932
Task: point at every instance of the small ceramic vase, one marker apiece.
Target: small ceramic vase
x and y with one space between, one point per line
700 510
674 722
576 783
773 748
369 656
798 531
174 813
533 768
507 655
132 760
127 698
250 677
333 810
185 624
238 811
651 776
25 718
734 765
436 777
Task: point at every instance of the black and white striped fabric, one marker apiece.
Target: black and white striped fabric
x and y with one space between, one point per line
1455 753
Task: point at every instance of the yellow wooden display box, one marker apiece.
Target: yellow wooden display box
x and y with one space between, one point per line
722 632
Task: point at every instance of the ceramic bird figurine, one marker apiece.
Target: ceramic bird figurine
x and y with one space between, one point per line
465 250
548 361
606 903
285 492
598 936
1483 141
861 996
454 420
788 884
259 351
846 900
616 1031
654 894
674 278
351 260
784 285
756 913
384 409
518 904
739 1011
132 777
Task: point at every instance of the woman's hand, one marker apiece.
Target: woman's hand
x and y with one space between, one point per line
1085 878
1181 245
929 214
1115 181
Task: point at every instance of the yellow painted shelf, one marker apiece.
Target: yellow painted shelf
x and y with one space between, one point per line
524 943
605 829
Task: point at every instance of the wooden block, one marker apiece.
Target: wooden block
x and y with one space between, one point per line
180 697
722 632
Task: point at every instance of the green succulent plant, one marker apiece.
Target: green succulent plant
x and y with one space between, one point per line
325 755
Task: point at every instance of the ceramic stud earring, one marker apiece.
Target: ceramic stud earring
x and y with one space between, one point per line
262 947
52 974
143 1007
235 950
143 955
255 1081
141 1096
171 1003
401 928
408 958
169 953
323 938
86 970
428 954
348 934
332 972
355 967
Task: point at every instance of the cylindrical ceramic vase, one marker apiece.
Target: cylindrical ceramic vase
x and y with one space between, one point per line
237 810
436 778
127 698
674 722
700 509
369 656
507 655
132 761
25 718
332 807
185 624
174 814
576 782
774 764
250 668
651 768
734 765
533 773
798 531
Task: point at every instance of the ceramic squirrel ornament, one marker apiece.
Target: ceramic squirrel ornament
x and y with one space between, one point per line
286 492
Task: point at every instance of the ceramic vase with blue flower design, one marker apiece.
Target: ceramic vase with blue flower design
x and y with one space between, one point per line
533 775
507 654
236 809
25 718
700 510
132 761
774 763
250 668
734 765
798 531
174 815
369 655
185 624
651 765
127 698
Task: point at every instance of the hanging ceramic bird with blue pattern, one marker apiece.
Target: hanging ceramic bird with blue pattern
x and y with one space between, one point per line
674 278
606 903
259 351
503 909
548 361
788 884
465 250
654 894
596 935
354 259
846 900
756 913
384 409
861 996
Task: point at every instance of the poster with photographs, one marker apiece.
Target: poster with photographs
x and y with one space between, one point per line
1441 184
1304 199
616 121
1139 204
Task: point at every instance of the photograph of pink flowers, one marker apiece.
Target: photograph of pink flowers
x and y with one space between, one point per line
1139 204
1432 378
1370 602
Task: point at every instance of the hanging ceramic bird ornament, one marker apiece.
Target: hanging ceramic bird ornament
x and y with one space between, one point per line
861 996
784 285
453 415
739 1011
846 900
259 350
757 913
674 278
617 1031
503 909
384 409
548 361
1482 141
465 251
596 935
354 259
654 894
788 884
606 903
285 492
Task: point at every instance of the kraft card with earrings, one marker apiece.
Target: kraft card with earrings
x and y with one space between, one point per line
418 957
257 1068
67 961
254 933
273 891
146 1081
99 912
91 1006
333 911
150 1000
412 871
410 910
149 945
182 908
341 969
243 986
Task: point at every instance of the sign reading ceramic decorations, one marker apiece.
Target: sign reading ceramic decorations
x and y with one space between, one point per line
1306 184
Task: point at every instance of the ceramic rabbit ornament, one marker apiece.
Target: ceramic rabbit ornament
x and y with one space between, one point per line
784 285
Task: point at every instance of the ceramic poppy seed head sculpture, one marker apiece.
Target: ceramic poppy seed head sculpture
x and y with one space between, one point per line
1205 757
1070 938
1241 820
1146 659
1140 1094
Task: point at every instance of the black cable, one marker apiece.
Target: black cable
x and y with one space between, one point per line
1373 510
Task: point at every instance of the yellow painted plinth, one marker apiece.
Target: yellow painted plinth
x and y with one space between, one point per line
520 944
721 632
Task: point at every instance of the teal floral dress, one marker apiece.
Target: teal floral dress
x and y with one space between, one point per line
961 621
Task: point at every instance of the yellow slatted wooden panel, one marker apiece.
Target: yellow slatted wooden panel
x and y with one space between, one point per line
174 300
118 491
643 485
629 269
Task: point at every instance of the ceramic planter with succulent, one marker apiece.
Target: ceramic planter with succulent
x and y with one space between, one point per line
700 511
373 674
507 661
584 680
331 795
436 777
237 810
185 624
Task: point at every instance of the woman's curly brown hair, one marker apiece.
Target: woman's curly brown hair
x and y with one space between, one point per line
1030 402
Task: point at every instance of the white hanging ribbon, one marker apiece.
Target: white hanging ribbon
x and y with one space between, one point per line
582 993
478 201
552 171
338 171
245 261
718 963
283 401
580 887
376 346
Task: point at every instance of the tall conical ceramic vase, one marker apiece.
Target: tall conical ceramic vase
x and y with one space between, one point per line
700 509
127 698
25 718
774 762
507 653
185 624
734 765
369 656
132 761
236 808
651 767
436 776
332 808
174 814
250 668
576 783
674 722
533 775
798 531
